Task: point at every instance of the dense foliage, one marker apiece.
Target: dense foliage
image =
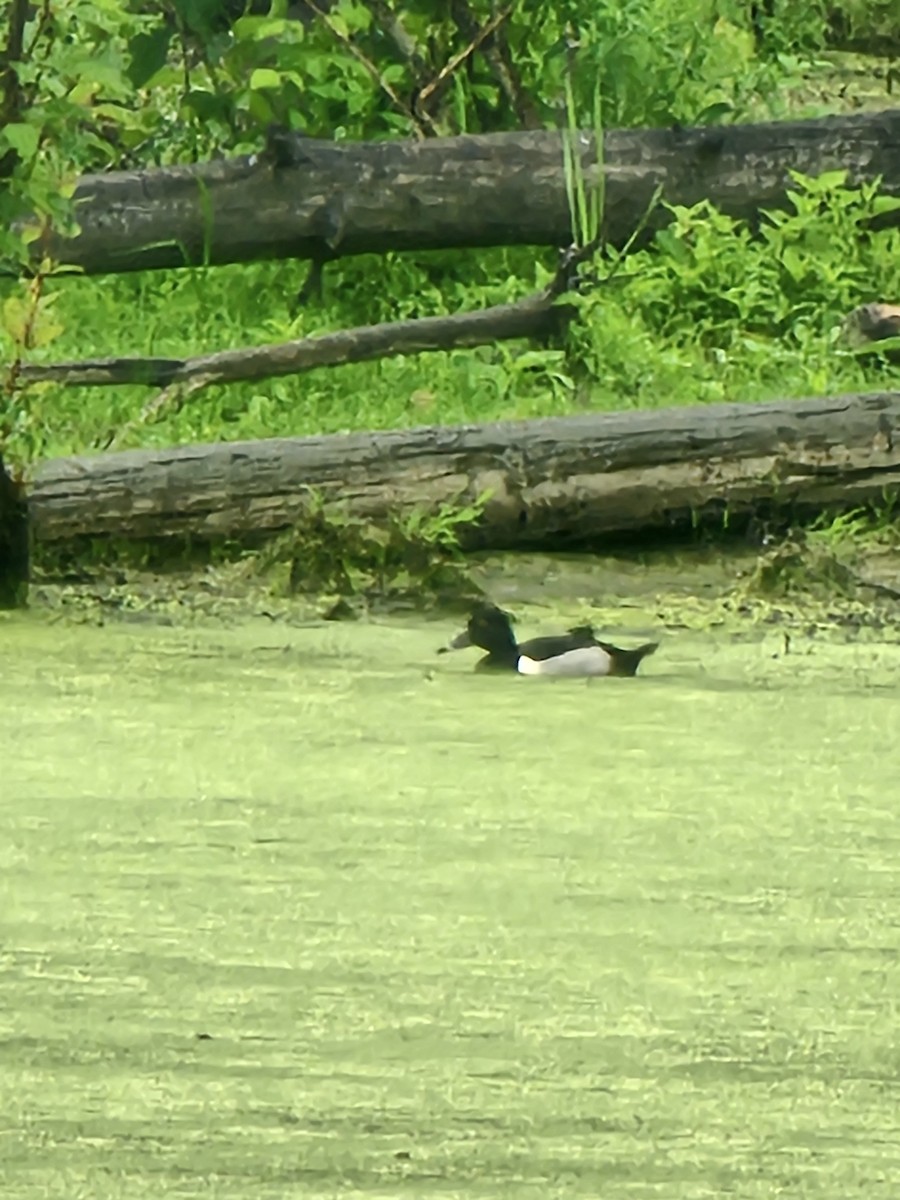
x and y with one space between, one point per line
709 312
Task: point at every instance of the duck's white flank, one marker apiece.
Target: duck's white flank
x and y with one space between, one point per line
586 660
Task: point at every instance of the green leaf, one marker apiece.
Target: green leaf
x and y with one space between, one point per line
355 17
201 16
148 52
15 317
207 105
264 77
714 113
256 29
831 179
673 246
259 108
793 263
880 347
23 138
817 185
83 92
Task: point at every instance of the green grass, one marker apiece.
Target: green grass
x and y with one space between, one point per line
709 315
311 912
626 354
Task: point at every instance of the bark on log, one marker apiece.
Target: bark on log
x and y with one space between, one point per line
566 478
320 200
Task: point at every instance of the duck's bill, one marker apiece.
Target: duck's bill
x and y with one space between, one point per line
460 642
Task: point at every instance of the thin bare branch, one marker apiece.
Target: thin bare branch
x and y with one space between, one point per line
358 344
458 59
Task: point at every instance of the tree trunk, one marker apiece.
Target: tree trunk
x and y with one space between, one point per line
14 541
563 479
305 198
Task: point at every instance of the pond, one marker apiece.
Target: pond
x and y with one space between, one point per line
307 910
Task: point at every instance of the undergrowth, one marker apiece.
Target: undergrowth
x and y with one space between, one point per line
710 311
707 313
415 555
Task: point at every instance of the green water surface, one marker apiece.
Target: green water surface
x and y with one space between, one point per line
313 912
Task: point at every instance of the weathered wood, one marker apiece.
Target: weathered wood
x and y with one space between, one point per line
14 542
550 480
320 200
533 316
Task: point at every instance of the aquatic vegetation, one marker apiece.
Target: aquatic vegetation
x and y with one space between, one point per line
286 912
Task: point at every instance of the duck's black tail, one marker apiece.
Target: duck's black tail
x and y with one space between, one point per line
626 662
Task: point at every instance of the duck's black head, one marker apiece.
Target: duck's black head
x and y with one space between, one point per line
489 628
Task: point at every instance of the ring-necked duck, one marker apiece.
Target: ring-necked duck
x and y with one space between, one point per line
577 652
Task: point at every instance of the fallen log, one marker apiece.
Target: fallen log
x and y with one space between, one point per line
306 198
552 481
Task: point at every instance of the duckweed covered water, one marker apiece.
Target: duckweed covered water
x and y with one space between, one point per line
313 912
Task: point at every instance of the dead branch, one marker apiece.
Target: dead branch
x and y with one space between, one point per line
531 317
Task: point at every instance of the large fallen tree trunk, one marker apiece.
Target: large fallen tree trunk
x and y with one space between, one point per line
566 478
305 198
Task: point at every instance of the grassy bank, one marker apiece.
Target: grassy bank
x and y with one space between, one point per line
707 313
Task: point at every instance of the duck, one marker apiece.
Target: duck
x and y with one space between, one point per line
578 652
